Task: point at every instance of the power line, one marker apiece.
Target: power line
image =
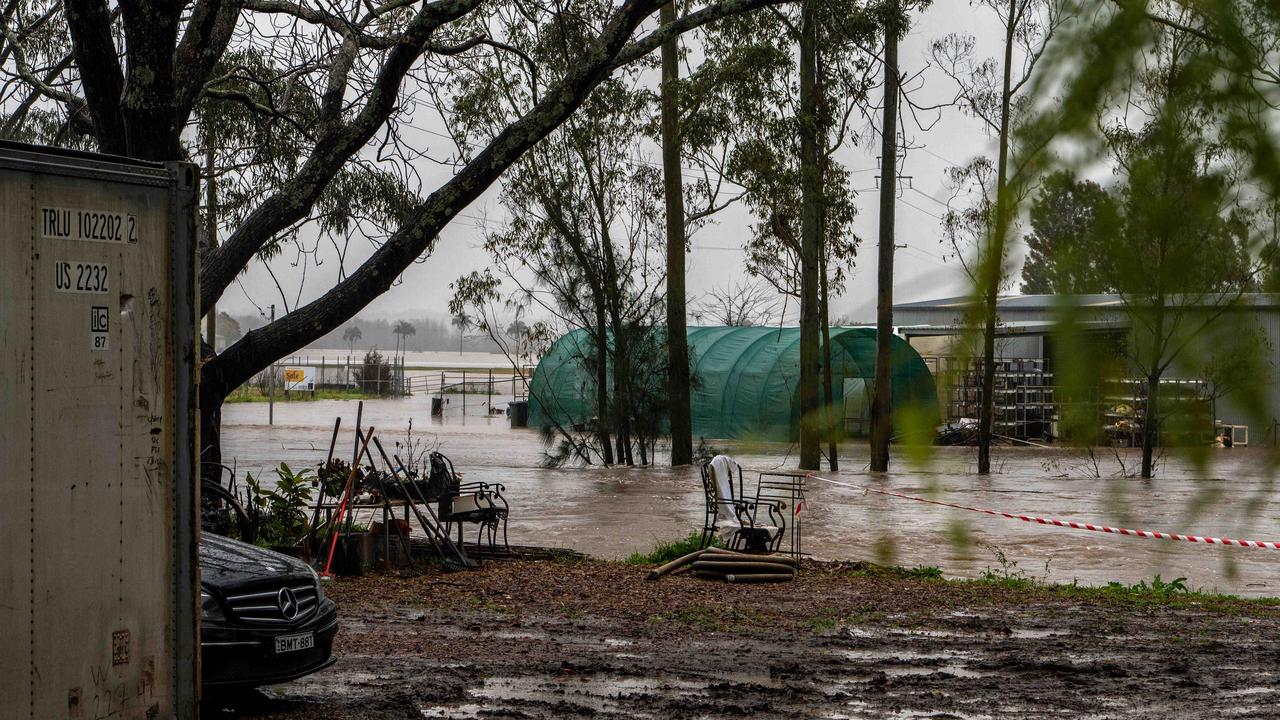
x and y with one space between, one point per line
949 161
930 197
920 209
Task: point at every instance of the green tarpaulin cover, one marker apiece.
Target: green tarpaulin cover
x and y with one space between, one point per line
746 380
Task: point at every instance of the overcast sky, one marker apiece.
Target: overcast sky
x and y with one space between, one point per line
716 260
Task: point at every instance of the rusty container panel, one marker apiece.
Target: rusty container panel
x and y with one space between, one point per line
97 519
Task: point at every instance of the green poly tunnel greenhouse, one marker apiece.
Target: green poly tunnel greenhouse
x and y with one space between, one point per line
746 381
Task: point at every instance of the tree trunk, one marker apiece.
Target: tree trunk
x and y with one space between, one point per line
621 358
603 426
622 389
210 405
1150 424
1151 415
211 397
832 416
673 186
810 242
211 240
882 390
991 269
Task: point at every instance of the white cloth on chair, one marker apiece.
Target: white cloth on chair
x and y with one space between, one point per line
722 469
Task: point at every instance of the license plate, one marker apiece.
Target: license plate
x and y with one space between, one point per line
294 643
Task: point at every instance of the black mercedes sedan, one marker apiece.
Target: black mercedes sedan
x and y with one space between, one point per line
264 618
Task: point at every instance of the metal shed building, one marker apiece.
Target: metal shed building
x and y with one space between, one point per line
1027 325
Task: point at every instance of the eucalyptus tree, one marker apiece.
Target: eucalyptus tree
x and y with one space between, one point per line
882 389
993 92
330 90
1183 255
1180 102
585 239
678 379
743 116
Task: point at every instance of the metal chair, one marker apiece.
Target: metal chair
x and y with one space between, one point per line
475 502
220 509
761 522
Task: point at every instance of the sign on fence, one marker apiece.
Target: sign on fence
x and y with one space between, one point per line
299 378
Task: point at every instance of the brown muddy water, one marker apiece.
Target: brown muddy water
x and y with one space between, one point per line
612 512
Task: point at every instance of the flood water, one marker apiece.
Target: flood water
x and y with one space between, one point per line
612 512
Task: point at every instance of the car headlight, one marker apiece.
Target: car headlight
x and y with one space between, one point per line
315 576
209 609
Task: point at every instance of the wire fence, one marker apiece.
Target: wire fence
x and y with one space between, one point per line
385 376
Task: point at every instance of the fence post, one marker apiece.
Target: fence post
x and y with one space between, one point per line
464 394
488 403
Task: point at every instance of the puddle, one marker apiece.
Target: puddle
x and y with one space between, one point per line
948 634
470 710
859 710
903 656
1250 691
594 694
591 694
1033 633
950 669
519 635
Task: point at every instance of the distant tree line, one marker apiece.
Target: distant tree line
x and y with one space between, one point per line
429 334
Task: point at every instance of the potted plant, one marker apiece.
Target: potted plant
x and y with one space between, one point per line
280 513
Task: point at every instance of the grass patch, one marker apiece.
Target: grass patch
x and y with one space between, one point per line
822 623
1008 577
1158 593
919 572
667 551
254 394
1157 587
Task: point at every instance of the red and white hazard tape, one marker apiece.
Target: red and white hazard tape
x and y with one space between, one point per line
1260 544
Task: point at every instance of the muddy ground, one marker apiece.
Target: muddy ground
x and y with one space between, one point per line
594 640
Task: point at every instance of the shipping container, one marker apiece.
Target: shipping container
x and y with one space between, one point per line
98 577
